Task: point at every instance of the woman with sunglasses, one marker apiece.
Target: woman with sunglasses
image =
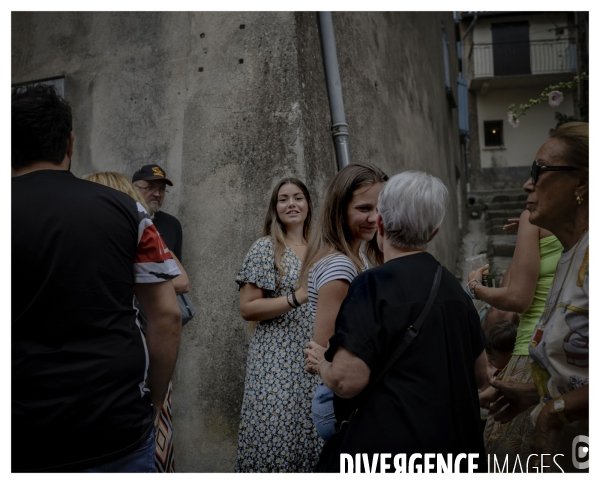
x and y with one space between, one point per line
524 289
559 347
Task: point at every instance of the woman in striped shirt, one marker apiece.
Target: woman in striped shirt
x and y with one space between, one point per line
334 259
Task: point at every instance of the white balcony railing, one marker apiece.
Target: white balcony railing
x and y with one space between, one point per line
521 58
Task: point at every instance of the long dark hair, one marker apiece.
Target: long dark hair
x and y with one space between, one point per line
332 233
274 228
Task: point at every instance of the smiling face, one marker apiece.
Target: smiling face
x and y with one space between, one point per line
292 206
361 214
552 201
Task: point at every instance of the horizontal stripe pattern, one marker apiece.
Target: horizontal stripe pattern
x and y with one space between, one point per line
330 268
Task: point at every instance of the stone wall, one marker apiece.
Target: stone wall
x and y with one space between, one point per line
228 104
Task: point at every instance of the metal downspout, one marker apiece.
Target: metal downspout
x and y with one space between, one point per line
470 28
339 128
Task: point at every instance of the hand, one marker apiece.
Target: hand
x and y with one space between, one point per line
513 224
546 431
516 397
477 274
313 355
302 295
487 396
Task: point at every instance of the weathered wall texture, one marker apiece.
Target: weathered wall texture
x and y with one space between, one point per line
228 111
392 72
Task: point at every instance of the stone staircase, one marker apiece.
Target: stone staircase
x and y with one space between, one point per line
489 211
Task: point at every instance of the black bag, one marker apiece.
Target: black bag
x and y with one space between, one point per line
188 311
329 460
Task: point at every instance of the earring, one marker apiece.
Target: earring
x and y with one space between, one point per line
579 200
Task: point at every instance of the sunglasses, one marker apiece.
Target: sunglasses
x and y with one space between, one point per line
537 169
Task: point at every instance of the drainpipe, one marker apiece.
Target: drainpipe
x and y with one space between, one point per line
339 128
470 28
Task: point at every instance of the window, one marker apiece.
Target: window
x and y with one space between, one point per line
57 82
493 133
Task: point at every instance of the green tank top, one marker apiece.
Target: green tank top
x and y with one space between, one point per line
550 250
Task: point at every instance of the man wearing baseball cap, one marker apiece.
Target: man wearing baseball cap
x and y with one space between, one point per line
151 182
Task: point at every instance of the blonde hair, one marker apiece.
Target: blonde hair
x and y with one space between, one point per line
274 228
576 138
118 182
332 233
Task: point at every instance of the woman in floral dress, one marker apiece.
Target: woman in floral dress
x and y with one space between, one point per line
276 433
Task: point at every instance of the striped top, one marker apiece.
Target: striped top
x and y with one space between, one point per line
329 268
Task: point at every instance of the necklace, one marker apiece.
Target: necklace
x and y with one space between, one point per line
548 312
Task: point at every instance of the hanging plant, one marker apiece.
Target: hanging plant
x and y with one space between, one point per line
552 94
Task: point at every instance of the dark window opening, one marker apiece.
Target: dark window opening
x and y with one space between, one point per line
511 48
57 82
493 133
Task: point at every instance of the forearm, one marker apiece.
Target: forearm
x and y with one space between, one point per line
163 343
503 298
163 329
182 282
577 404
263 309
346 376
485 396
339 384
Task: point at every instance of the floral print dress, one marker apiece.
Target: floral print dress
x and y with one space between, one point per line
276 432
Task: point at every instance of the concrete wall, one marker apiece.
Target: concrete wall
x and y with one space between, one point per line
227 111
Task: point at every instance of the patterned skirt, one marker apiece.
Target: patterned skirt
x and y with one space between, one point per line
513 438
163 455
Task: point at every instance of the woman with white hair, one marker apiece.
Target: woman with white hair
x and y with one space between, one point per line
423 400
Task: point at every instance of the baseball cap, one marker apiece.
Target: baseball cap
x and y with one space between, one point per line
151 172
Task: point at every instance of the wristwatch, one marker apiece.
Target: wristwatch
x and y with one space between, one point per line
559 409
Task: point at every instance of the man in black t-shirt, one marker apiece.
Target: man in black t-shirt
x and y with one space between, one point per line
151 182
85 380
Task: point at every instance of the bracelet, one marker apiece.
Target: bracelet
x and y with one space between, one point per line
318 372
287 298
295 300
471 292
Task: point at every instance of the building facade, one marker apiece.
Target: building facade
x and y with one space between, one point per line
510 58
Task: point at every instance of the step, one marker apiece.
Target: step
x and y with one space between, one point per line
499 230
498 266
501 250
487 196
476 211
503 214
515 205
490 222
501 245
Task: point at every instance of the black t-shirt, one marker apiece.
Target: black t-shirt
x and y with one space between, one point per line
427 402
78 356
170 230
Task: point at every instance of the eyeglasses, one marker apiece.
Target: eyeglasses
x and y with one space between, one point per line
161 190
537 169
